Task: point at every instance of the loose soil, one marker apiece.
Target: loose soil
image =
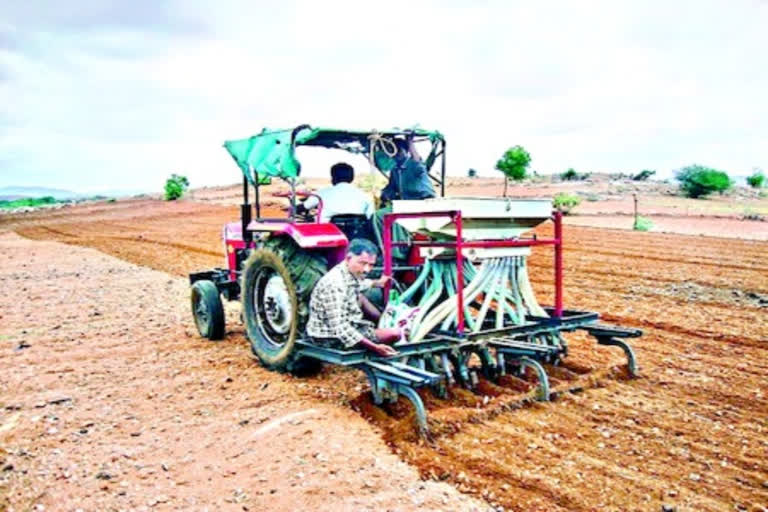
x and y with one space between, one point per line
691 433
110 401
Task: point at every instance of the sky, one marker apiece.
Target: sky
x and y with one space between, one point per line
98 95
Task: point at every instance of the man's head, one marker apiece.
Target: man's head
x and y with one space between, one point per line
361 257
342 173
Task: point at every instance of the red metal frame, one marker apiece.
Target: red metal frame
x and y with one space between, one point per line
460 244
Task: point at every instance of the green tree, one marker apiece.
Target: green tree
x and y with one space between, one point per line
175 186
514 164
756 179
569 175
643 175
698 181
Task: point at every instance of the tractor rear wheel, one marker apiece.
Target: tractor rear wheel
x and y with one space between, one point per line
277 282
207 310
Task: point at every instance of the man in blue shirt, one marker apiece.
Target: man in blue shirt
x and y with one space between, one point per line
408 179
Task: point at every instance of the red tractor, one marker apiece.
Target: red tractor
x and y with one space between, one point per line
274 263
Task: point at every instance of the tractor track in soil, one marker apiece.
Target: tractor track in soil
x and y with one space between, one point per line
692 432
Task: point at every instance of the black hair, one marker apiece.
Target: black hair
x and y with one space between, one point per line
360 245
342 172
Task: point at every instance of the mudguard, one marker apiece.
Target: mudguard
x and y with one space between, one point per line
320 235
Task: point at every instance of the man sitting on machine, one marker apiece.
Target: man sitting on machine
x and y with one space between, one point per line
340 198
340 316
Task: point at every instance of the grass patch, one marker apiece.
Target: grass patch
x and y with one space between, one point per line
642 224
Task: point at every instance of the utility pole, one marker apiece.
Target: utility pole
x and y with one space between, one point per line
634 196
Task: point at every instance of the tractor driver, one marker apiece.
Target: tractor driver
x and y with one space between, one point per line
339 314
408 177
340 198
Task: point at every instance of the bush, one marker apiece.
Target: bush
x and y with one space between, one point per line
750 214
757 179
572 175
592 197
565 202
643 175
471 173
697 181
175 186
28 202
642 224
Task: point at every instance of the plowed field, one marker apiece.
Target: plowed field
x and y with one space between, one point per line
690 433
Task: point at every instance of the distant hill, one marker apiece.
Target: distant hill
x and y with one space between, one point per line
12 193
116 192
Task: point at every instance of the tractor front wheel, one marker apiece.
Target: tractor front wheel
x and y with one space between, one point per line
207 310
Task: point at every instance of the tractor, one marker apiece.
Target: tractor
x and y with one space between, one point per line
458 266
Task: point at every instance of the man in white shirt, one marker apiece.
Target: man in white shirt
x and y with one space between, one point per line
342 198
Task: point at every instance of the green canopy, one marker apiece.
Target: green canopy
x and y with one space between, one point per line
272 153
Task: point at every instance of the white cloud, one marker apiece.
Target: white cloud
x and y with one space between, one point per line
104 98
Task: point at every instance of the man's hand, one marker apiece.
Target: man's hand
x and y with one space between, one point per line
379 349
384 350
381 282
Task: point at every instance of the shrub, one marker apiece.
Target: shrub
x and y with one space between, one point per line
514 164
175 186
756 179
642 224
750 214
471 173
566 202
592 197
643 175
28 202
572 175
697 181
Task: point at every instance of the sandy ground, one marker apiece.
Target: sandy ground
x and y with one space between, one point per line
701 226
691 433
109 403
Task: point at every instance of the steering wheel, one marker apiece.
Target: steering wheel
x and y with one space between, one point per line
304 216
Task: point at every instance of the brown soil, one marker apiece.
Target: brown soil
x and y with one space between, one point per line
690 433
705 226
110 401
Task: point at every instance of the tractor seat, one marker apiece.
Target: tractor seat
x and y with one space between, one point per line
354 226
